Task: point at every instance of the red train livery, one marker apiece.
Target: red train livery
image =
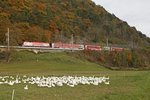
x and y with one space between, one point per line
119 49
93 47
67 46
36 44
72 46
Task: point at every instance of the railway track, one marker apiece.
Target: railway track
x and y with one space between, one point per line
39 49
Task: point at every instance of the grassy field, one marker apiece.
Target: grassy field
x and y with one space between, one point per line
124 85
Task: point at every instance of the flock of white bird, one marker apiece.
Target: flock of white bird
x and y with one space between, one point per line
52 81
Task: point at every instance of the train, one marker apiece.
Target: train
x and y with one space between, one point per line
111 48
60 45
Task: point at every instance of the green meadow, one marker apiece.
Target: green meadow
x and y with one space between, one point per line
124 85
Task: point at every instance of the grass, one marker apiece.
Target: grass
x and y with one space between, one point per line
47 63
124 85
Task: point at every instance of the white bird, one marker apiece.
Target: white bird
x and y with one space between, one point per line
11 83
95 83
59 84
107 83
71 85
3 79
26 87
1 83
53 85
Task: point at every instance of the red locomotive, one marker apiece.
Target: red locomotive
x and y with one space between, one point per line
36 44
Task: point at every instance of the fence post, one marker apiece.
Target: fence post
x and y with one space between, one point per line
13 94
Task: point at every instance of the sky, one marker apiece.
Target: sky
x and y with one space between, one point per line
135 12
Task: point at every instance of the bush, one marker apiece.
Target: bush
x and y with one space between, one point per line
2 55
122 60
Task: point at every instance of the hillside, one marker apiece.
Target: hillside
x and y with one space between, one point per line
43 63
57 20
